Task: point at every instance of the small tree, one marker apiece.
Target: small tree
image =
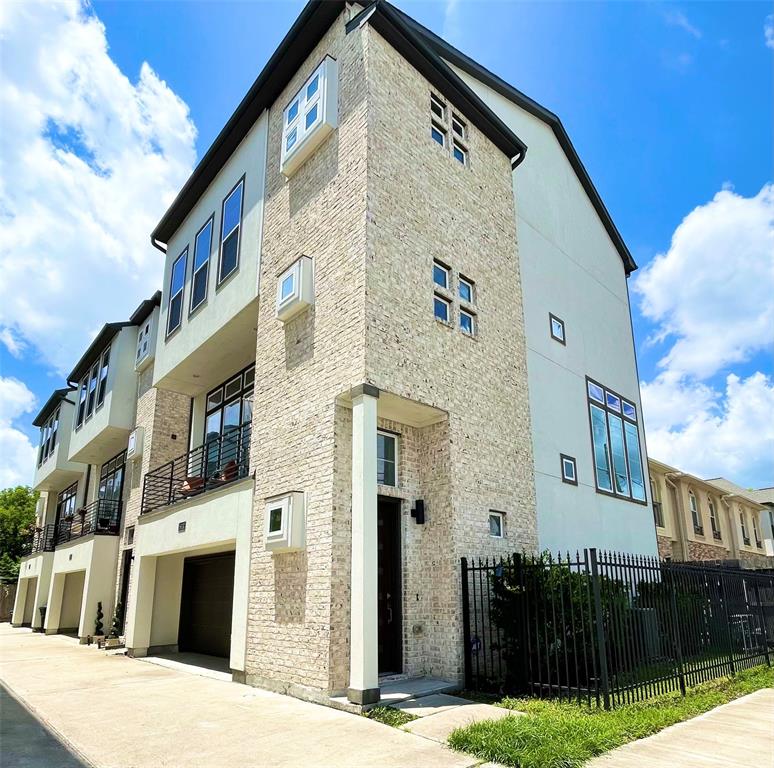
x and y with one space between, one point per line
17 521
115 629
98 626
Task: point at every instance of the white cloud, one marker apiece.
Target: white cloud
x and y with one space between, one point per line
12 342
451 29
768 31
90 162
676 18
712 292
711 433
711 300
17 454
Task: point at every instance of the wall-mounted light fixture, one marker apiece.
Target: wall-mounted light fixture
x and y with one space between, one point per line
418 513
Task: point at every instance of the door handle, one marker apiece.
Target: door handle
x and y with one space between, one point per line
389 608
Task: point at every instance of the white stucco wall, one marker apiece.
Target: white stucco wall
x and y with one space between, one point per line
224 302
570 267
104 434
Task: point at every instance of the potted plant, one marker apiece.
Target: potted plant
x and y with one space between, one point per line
99 629
113 640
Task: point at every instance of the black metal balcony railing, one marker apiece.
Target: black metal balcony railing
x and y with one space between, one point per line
698 529
219 461
746 540
40 540
716 534
102 516
758 543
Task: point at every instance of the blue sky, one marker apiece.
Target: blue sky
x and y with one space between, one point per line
667 105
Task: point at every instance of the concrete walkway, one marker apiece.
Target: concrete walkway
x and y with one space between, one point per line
736 735
118 712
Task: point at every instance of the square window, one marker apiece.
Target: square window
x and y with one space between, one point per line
288 286
275 520
438 135
496 524
460 153
557 329
129 535
312 88
569 470
629 410
441 309
386 458
613 401
466 290
292 112
596 392
437 108
440 275
468 322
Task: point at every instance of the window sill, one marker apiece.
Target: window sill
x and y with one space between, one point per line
231 274
393 491
445 323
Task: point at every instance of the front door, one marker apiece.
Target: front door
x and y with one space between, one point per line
123 595
389 586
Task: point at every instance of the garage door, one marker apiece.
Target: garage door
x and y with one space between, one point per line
205 606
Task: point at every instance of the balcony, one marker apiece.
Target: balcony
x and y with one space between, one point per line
216 463
102 517
40 540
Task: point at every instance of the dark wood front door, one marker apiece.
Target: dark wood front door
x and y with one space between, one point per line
389 586
123 595
206 603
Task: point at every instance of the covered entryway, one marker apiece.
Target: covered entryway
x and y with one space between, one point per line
206 604
389 587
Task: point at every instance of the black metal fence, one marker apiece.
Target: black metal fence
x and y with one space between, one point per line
40 540
607 628
102 516
219 461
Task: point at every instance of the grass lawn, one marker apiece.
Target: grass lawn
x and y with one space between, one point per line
389 716
553 735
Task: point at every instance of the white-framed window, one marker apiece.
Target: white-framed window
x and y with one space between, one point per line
466 290
496 524
92 400
459 153
438 135
467 322
713 519
756 532
569 469
441 308
437 108
743 528
129 535
230 231
557 328
615 444
693 503
295 289
176 290
80 411
143 343
201 264
309 116
441 274
386 458
103 377
459 129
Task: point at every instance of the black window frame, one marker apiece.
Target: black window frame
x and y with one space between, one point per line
66 502
244 389
170 298
102 377
91 395
563 339
608 411
205 266
80 409
563 457
48 436
221 278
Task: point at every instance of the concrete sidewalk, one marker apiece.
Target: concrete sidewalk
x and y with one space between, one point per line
116 712
736 735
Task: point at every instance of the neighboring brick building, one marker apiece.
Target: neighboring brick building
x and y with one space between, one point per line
376 352
710 520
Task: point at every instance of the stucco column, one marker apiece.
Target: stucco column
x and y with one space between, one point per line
54 609
364 627
41 593
17 617
139 615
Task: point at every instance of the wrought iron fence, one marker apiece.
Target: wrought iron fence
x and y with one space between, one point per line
40 540
219 461
607 628
102 516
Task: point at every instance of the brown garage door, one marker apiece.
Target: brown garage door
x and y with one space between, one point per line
205 606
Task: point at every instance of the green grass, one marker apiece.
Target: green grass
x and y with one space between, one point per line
554 735
389 716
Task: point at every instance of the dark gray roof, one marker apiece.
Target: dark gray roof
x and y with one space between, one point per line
51 405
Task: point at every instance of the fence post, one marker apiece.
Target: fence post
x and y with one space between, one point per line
676 631
762 619
600 628
728 623
466 625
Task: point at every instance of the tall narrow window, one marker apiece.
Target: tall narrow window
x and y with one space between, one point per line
743 526
658 510
713 519
81 412
201 263
386 458
176 288
695 514
756 532
54 430
92 389
103 377
616 444
230 228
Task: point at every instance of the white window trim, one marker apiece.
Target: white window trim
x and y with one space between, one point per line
435 101
325 99
473 322
471 285
396 439
462 149
574 464
446 271
439 297
501 517
462 134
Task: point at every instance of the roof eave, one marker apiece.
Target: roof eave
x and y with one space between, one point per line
50 406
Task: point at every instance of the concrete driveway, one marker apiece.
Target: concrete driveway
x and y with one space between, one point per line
120 712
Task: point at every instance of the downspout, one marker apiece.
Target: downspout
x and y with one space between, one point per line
731 525
680 524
